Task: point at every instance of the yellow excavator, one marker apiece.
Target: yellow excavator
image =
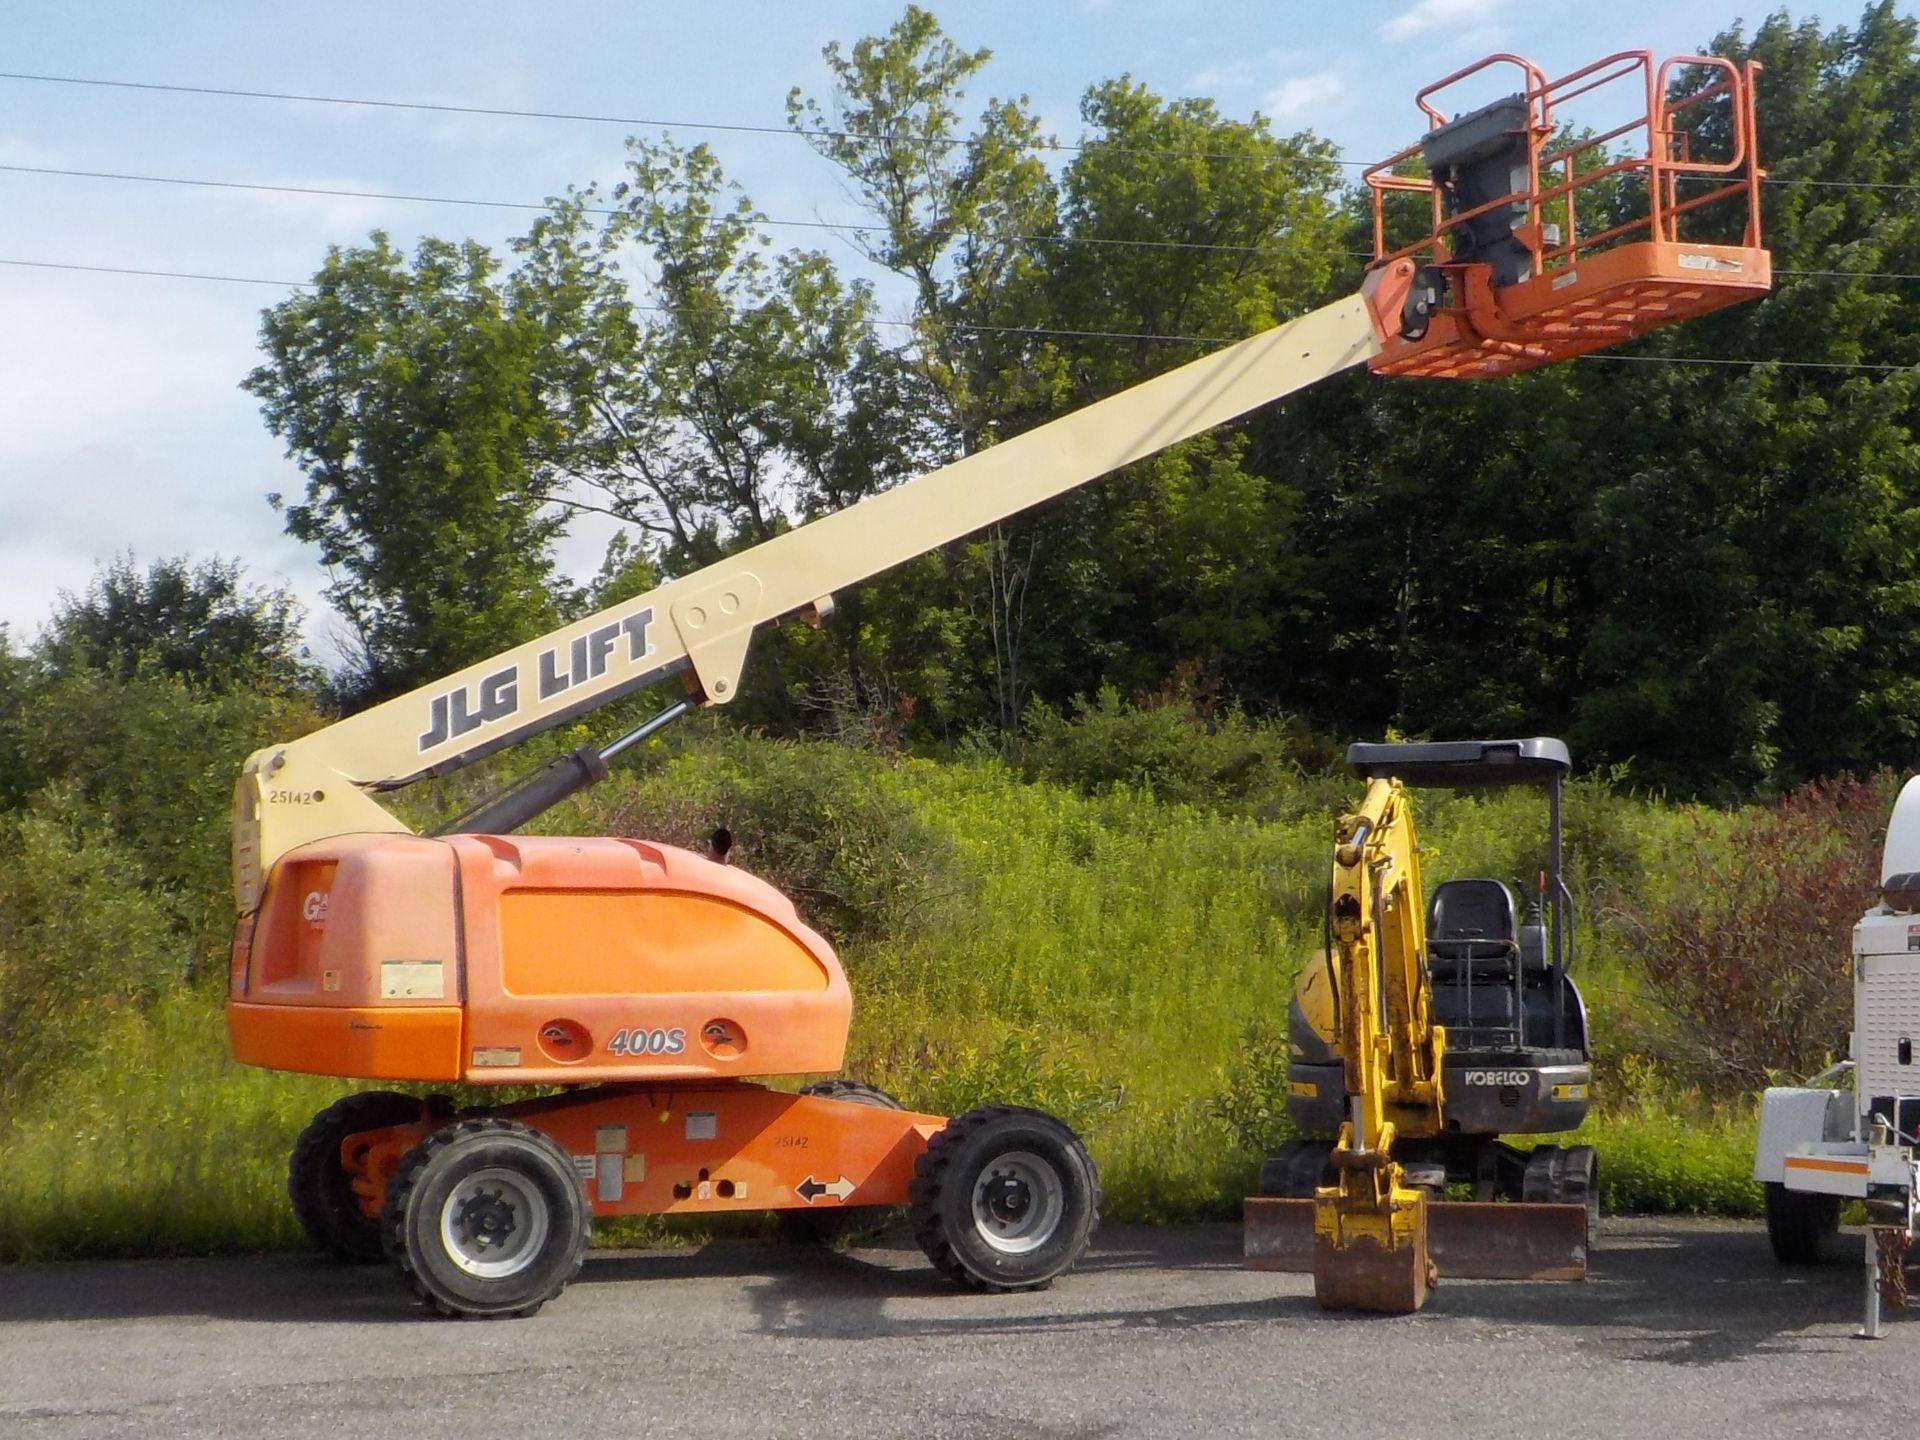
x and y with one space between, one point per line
1432 1024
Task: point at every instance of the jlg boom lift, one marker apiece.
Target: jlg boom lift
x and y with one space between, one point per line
657 986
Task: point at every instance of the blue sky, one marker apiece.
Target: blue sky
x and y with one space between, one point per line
121 423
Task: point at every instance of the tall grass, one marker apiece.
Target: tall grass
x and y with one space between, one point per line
156 1144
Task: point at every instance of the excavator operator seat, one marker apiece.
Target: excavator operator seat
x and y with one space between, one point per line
1474 955
1471 929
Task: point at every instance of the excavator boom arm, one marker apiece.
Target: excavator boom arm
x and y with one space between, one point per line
1390 1047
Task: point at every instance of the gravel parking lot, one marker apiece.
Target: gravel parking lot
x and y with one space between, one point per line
1682 1328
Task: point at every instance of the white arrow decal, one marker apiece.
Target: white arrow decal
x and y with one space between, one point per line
811 1189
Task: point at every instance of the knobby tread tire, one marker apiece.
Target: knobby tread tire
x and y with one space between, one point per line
934 1177
323 1201
1802 1228
413 1172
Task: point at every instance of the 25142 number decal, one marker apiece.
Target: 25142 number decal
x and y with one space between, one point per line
642 1041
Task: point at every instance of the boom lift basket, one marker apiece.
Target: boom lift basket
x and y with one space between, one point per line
1544 242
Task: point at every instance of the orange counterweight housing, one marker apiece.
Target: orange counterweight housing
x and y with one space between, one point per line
529 960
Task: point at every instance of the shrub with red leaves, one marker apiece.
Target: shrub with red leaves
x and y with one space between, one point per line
1749 959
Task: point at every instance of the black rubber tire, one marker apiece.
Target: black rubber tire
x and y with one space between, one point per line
1029 1158
441 1187
1297 1169
1802 1228
321 1192
826 1224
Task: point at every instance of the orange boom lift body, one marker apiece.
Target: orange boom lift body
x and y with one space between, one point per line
660 986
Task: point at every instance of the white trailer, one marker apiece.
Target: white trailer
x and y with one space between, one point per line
1820 1145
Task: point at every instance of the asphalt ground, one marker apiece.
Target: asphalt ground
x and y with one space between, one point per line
1682 1329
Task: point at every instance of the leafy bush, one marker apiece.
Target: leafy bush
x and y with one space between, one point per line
79 933
1666 1148
152 761
828 827
1163 746
152 1142
1250 1103
1023 1067
1747 957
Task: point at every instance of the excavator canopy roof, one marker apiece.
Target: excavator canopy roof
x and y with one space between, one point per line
1464 763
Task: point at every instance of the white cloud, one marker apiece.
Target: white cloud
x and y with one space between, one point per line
1245 71
16 151
1430 15
1301 92
1233 75
123 428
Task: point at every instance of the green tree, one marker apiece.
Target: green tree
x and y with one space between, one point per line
1754 533
958 211
1693 557
414 395
744 386
1180 229
958 208
1170 220
16 767
198 622
719 391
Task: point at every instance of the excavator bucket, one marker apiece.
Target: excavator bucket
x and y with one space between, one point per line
1365 1259
1467 1240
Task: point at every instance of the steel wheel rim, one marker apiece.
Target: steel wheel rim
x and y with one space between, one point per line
1018 1199
494 1223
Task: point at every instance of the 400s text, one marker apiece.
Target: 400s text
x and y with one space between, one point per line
642 1041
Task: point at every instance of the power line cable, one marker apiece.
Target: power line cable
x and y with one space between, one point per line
651 309
1038 331
329 192
401 197
154 274
1785 364
802 132
590 118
